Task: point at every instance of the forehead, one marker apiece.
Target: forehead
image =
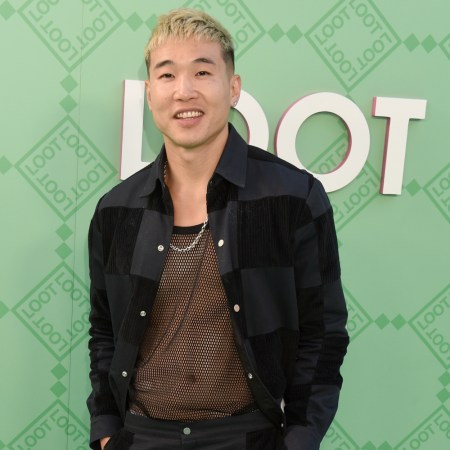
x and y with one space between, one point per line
183 51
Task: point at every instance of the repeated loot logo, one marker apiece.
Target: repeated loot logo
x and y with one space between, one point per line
350 59
55 425
66 146
431 324
337 438
438 189
348 202
48 19
358 319
236 17
44 307
429 435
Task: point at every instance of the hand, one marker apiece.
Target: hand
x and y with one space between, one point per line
104 441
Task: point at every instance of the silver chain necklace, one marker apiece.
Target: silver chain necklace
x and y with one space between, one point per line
200 233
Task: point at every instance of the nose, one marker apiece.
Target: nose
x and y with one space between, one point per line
185 89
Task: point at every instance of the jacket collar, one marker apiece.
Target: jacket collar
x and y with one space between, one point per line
232 164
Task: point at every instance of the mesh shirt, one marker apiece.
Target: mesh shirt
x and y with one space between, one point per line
188 367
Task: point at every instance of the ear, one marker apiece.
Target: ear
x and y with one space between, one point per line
147 94
235 88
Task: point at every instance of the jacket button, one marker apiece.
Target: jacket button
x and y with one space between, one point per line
142 313
250 376
124 374
160 248
220 243
187 431
236 308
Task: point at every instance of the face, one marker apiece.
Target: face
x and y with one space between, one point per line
190 91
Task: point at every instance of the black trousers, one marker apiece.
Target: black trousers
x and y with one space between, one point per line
252 431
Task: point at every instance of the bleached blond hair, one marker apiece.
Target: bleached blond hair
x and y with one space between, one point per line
185 23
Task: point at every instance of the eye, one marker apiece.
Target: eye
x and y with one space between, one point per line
203 73
166 76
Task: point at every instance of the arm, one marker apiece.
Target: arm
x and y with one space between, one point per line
312 395
105 417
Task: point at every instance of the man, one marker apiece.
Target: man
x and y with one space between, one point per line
217 313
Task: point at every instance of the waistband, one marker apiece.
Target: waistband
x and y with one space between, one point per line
241 423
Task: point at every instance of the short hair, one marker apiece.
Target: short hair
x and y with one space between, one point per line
184 23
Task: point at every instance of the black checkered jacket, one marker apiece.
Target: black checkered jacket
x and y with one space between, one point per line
278 261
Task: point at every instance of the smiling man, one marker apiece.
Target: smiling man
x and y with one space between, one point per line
217 313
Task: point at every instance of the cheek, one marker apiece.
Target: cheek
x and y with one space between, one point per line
159 102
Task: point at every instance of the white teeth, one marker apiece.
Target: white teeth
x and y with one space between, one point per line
189 114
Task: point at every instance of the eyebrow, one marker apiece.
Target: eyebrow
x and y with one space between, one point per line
169 62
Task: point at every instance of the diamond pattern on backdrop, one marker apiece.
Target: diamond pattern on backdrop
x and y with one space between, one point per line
348 46
56 424
438 190
60 294
238 18
71 41
351 60
66 145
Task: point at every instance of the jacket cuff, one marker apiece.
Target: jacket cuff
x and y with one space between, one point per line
298 437
102 426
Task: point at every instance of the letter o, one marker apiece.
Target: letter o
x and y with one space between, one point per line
255 119
62 421
358 133
242 36
423 436
444 348
438 310
369 20
68 285
30 440
43 7
429 317
71 429
444 183
233 9
55 338
364 10
328 31
64 45
100 27
36 308
39 433
55 34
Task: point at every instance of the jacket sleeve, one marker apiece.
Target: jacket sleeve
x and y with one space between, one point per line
312 395
105 417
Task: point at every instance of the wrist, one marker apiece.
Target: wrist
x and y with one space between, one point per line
104 441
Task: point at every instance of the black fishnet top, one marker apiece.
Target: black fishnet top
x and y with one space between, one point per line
188 367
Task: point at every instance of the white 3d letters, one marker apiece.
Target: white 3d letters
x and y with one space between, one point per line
132 128
358 139
399 111
253 114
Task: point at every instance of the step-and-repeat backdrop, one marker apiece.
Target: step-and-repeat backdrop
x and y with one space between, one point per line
63 67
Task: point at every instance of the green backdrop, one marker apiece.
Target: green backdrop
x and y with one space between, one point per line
63 63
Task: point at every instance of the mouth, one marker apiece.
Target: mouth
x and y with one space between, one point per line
189 114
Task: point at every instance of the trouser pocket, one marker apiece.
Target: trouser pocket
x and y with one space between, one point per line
266 439
122 440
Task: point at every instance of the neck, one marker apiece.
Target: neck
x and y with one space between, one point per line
187 180
191 168
182 174
188 171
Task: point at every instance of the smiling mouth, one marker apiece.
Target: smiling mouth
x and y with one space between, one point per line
188 114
